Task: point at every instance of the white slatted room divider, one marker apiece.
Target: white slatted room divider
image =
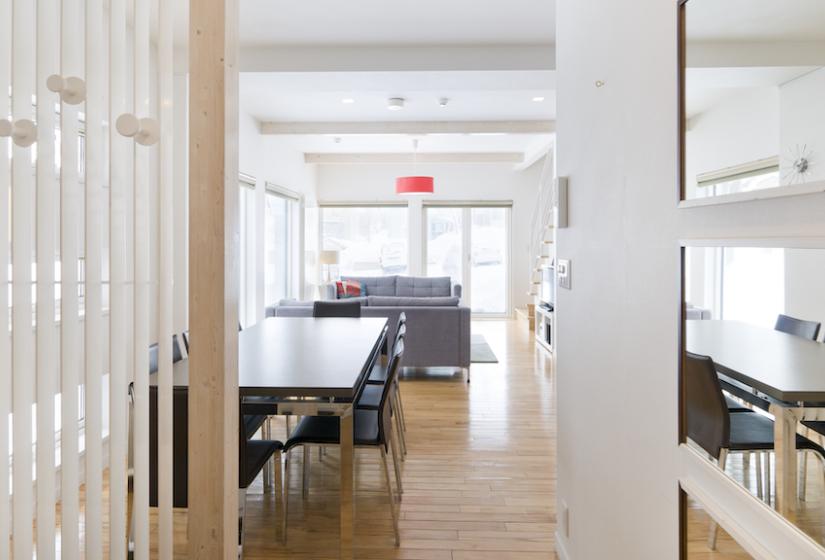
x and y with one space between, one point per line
87 129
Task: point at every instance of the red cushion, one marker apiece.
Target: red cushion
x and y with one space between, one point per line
348 289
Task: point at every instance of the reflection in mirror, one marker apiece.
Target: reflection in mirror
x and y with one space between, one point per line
699 530
754 94
755 360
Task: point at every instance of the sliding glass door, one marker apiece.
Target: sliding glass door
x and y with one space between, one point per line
471 245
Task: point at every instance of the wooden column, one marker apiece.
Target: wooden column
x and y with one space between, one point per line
213 279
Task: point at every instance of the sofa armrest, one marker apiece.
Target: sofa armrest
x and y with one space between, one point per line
457 290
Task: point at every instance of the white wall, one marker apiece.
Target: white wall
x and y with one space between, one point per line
742 128
453 182
803 124
617 343
270 159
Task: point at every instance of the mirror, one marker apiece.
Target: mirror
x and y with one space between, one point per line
755 358
753 89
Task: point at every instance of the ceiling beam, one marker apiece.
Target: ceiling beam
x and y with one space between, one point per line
410 127
342 58
395 158
715 54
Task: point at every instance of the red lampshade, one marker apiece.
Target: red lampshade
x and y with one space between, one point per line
414 185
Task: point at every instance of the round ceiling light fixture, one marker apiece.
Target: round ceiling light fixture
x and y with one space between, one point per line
396 103
538 99
443 102
348 101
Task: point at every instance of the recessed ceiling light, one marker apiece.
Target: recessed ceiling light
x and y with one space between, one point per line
348 101
538 99
395 103
443 102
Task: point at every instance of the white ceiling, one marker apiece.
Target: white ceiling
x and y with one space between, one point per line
756 20
379 22
427 144
705 87
472 96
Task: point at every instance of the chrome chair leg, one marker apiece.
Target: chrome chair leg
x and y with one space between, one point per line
396 465
266 433
768 484
305 477
285 497
714 527
759 485
401 411
390 494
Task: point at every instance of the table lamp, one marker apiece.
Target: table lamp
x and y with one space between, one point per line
328 259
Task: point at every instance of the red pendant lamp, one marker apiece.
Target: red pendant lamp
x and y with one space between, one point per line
414 185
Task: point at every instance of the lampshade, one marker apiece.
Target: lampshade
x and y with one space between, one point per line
414 185
328 257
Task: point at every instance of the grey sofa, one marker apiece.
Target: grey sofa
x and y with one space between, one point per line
438 326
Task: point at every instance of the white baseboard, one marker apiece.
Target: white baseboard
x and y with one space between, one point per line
561 551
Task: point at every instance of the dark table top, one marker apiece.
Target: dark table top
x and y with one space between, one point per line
786 367
302 357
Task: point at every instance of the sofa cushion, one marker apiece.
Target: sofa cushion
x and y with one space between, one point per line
416 286
374 285
398 301
294 303
346 289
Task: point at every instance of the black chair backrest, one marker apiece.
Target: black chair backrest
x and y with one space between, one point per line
180 447
384 418
399 335
797 327
154 351
707 416
153 358
177 355
186 340
402 320
336 309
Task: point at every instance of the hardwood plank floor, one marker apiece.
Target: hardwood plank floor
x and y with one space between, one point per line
479 477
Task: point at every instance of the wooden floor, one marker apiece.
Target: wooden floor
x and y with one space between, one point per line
479 477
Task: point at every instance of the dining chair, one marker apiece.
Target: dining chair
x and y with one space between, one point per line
372 428
717 431
370 397
336 309
186 340
797 327
253 456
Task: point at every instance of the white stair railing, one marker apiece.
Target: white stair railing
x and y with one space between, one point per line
542 223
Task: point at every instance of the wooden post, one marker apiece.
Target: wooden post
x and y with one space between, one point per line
213 279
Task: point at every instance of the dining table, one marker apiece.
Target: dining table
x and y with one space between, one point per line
308 367
787 371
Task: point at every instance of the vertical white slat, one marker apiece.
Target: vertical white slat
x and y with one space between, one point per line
166 15
23 220
141 271
47 194
71 52
118 312
93 302
5 339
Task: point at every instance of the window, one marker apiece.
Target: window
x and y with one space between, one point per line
752 176
371 240
281 245
246 302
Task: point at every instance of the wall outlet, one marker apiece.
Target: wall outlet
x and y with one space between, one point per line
563 273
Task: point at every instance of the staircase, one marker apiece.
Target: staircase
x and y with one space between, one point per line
541 251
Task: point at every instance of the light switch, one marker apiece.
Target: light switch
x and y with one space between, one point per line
563 273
